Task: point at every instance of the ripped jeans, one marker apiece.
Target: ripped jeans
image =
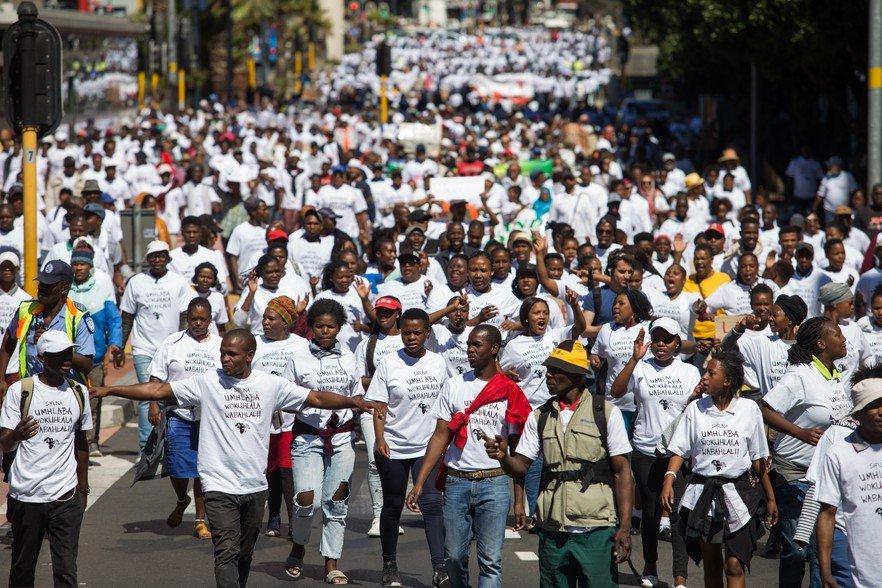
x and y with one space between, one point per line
321 479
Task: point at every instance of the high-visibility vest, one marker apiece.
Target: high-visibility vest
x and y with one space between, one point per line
26 312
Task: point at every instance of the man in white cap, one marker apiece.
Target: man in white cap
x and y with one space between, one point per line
44 420
11 296
151 309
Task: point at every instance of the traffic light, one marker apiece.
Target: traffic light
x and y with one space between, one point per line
32 72
384 59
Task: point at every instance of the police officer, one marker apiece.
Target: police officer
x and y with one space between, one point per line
52 310
586 478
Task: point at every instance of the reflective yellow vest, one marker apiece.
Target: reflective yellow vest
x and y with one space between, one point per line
26 312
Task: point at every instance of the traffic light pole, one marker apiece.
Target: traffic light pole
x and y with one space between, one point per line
29 189
384 102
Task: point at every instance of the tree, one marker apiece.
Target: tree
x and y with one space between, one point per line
811 56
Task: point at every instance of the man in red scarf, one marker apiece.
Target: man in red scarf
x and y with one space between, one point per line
481 403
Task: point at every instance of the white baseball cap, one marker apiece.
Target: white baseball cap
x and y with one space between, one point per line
666 324
53 342
10 256
156 246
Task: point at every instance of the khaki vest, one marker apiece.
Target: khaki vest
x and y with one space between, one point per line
562 504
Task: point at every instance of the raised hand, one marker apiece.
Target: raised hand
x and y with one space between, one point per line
362 288
640 348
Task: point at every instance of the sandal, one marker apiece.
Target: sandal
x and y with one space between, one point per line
337 578
201 530
177 515
293 567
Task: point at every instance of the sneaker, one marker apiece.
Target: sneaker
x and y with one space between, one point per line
649 581
440 577
635 526
391 577
374 531
400 530
93 450
273 527
665 534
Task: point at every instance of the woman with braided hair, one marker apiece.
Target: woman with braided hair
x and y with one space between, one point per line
808 399
276 348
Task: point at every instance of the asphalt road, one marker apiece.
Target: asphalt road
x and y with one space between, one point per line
125 541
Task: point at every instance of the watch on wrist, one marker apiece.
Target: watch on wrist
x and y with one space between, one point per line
84 491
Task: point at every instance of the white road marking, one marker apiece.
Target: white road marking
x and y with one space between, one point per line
512 534
105 475
527 556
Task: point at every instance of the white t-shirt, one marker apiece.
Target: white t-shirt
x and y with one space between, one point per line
873 339
530 444
615 344
185 264
499 296
855 352
273 358
345 201
246 240
181 356
721 443
457 394
219 314
412 295
849 479
831 436
807 288
334 373
836 190
157 305
385 344
235 426
312 256
451 346
45 468
765 359
679 308
9 303
868 282
409 386
807 399
525 355
660 394
262 297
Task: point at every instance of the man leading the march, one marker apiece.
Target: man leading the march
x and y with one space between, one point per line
237 406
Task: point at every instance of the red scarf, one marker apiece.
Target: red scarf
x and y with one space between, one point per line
499 387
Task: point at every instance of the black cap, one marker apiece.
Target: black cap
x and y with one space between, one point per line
408 255
419 216
55 271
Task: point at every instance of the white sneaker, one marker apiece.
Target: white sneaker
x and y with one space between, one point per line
649 581
374 531
400 531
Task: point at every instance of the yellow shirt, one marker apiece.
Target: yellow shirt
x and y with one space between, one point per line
704 288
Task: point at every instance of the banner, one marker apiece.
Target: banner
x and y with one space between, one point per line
468 188
518 88
412 134
527 167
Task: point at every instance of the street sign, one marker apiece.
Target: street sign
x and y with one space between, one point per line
32 72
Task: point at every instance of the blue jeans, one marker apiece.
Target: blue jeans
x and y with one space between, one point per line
475 508
791 568
531 484
142 372
322 476
840 563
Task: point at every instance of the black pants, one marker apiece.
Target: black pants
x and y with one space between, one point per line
96 378
235 525
393 479
31 521
649 472
281 486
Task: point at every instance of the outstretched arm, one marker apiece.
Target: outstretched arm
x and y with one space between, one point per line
145 391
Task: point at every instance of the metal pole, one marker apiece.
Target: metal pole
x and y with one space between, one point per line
384 102
229 11
754 115
874 96
29 190
172 54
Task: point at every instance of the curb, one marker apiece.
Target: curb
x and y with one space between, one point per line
115 412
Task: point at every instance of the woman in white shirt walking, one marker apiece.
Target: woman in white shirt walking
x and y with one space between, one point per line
407 382
275 349
183 354
354 294
724 437
322 445
205 284
662 385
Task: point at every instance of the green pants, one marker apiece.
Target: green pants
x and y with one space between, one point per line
581 560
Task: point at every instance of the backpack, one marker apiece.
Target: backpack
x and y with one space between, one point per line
27 395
